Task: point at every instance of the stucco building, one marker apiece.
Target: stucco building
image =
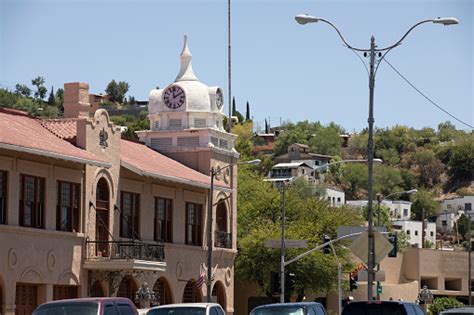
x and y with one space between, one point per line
86 213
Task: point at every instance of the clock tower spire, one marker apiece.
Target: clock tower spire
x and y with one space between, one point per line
186 72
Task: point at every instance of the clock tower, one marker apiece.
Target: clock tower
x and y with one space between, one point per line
186 122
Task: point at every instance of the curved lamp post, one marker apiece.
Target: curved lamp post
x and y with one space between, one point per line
215 172
373 52
283 220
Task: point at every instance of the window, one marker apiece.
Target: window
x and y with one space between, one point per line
405 212
431 233
163 223
68 207
416 232
31 201
408 232
193 223
468 206
3 197
129 218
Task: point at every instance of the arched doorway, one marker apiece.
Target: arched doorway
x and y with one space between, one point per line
127 288
96 290
102 218
223 238
162 292
219 293
191 293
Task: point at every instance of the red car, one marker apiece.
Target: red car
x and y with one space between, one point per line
88 306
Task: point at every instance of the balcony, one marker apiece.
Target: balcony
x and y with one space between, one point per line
223 240
132 255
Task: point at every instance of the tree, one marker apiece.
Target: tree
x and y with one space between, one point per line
51 99
266 126
22 90
60 99
463 226
234 110
385 219
447 131
326 140
424 200
244 133
443 303
461 159
387 180
40 88
247 112
307 218
117 91
429 168
136 126
354 179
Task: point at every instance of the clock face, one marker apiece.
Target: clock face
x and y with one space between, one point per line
174 97
219 99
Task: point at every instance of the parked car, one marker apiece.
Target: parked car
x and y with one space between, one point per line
382 308
187 309
459 311
88 306
298 308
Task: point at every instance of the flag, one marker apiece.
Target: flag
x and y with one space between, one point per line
200 281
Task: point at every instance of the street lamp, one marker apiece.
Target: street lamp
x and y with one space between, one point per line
379 201
373 52
283 219
469 262
215 172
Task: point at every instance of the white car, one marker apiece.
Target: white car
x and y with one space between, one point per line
187 309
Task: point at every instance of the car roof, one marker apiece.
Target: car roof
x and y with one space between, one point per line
459 310
202 305
380 302
288 304
88 299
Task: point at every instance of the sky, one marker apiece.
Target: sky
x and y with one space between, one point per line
286 71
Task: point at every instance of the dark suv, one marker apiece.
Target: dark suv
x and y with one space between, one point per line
301 308
382 308
88 306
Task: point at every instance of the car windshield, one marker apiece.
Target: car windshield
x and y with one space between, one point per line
277 310
178 311
73 308
373 309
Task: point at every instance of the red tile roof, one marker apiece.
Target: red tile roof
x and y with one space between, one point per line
148 162
20 132
63 128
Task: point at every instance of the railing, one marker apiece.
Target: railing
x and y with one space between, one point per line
109 250
223 240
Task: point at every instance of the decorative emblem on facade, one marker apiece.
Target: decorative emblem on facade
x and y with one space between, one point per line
103 137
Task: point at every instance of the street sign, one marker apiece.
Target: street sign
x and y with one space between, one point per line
379 275
288 243
360 246
346 230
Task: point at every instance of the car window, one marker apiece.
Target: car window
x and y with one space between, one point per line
321 310
220 311
278 310
126 309
177 311
374 309
313 311
110 309
213 310
76 308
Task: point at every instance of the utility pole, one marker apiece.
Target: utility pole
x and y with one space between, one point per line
282 248
469 265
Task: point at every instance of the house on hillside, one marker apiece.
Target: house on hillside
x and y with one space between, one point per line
451 210
298 152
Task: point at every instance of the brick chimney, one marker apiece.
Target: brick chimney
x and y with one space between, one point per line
76 100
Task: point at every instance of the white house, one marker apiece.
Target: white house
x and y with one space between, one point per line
413 230
451 210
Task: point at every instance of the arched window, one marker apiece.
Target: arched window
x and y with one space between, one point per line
127 288
191 293
223 238
102 218
219 292
162 292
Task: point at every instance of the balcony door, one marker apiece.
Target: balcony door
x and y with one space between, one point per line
222 235
102 218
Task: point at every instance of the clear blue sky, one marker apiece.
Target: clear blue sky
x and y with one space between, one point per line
285 70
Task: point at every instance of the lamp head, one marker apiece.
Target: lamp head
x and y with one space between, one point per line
377 161
446 21
253 162
411 191
305 18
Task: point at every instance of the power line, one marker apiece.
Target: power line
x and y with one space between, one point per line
425 96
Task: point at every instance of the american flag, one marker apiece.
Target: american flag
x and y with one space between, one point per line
200 280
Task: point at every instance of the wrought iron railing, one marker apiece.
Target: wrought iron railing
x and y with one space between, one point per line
109 250
223 240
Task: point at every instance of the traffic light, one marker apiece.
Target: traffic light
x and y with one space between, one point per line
290 280
379 288
393 239
353 285
275 282
327 248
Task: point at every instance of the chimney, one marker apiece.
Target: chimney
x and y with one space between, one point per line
76 100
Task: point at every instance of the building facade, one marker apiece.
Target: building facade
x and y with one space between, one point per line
451 210
86 213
